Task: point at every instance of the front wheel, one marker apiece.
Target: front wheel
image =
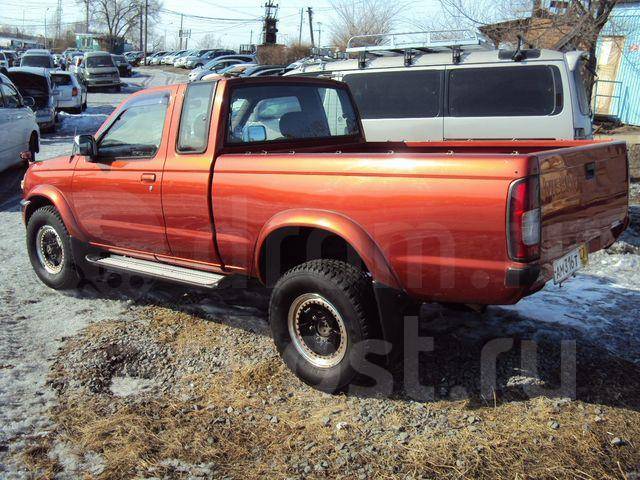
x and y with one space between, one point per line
49 248
320 313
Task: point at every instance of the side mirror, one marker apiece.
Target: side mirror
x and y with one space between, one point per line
254 133
28 101
86 146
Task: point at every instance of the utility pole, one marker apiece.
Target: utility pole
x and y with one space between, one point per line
300 32
180 32
310 13
146 30
86 19
319 34
141 25
45 27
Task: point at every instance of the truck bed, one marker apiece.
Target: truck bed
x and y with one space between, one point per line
436 211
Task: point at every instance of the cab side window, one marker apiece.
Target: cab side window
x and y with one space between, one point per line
11 97
137 131
196 118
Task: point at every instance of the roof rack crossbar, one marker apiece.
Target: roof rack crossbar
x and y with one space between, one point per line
441 40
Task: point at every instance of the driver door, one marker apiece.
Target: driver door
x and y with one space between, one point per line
117 195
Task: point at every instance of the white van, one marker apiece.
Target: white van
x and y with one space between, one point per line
460 94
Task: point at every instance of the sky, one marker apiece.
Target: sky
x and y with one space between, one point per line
241 21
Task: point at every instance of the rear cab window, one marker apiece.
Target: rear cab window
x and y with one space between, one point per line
279 113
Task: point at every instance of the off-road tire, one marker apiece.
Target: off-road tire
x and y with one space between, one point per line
68 276
349 290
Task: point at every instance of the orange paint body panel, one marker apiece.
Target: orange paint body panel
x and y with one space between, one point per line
429 219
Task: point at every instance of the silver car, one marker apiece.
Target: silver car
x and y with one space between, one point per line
99 70
36 83
70 94
218 64
200 57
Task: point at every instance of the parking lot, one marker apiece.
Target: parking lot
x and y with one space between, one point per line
124 378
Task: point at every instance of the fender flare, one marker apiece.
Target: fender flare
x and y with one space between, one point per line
338 224
58 200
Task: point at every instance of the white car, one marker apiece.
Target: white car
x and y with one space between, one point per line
18 128
69 92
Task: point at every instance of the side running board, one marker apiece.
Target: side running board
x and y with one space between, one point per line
162 271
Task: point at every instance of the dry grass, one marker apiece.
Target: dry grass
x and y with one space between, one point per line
505 441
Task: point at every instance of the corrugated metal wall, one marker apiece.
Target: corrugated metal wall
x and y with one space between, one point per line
625 22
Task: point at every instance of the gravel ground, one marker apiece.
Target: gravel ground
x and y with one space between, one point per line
129 350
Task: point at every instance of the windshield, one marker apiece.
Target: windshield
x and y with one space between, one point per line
43 61
272 113
119 58
99 61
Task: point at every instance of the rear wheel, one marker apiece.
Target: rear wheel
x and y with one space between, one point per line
319 312
49 248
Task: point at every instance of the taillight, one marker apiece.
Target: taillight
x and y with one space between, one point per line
74 92
524 219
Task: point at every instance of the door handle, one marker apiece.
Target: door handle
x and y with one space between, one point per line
590 170
148 177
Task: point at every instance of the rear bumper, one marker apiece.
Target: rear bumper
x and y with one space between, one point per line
106 82
70 103
524 277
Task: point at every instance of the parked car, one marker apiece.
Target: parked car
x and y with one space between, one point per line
99 70
170 58
156 58
124 67
38 59
282 186
178 56
36 83
19 130
134 58
11 57
262 70
199 57
218 64
165 57
5 60
181 60
483 94
71 95
231 71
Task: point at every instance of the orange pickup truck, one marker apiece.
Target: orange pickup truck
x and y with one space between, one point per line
272 178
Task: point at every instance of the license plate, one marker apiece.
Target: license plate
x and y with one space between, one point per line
573 261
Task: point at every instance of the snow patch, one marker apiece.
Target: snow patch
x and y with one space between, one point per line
128 386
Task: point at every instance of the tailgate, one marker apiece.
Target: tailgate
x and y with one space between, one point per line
584 197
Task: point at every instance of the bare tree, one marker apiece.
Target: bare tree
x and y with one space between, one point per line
571 25
363 17
209 41
119 18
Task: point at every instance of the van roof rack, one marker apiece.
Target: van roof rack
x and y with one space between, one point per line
428 41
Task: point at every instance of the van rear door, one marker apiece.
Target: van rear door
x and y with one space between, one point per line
508 101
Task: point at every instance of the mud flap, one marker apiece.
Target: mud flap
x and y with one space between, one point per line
393 305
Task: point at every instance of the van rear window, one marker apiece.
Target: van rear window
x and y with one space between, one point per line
505 91
413 94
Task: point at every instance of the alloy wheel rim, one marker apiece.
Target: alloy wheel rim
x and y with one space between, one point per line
49 249
317 330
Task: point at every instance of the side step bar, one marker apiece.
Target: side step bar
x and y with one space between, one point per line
162 271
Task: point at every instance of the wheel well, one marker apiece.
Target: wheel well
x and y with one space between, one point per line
287 247
34 204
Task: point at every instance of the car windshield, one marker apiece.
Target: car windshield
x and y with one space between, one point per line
119 58
99 61
272 113
43 61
